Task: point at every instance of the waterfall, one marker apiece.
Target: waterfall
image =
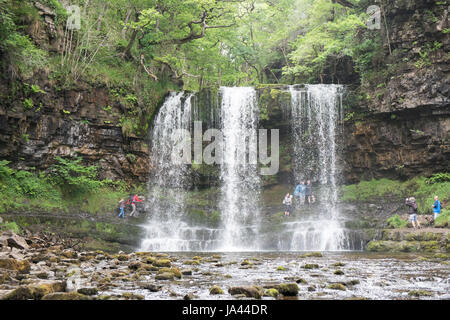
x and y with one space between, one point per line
240 181
315 127
166 203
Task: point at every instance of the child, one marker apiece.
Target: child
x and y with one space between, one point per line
122 208
287 201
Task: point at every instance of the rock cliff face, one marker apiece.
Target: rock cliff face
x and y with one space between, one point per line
404 127
65 123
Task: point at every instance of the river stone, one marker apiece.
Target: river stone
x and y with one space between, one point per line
65 296
20 293
288 289
188 296
22 266
175 271
162 263
152 287
272 292
70 254
310 266
91 291
186 272
248 291
36 291
135 265
337 286
164 276
215 290
3 243
15 241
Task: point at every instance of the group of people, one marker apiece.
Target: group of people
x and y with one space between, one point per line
132 201
303 192
413 208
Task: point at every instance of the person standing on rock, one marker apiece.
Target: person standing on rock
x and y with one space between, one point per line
133 204
436 207
122 208
411 203
309 192
287 201
299 192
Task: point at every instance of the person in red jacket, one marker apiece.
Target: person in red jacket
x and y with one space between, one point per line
133 201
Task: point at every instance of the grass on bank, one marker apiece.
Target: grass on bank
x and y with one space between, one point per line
422 188
68 186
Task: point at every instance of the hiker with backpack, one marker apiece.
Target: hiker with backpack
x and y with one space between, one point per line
122 208
132 200
412 204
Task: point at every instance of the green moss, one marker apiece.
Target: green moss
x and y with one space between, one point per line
337 286
272 292
419 293
215 290
310 266
288 289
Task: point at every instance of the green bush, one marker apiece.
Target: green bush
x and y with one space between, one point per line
74 178
10 226
439 177
396 222
421 188
444 219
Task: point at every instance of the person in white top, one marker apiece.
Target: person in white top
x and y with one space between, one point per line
287 201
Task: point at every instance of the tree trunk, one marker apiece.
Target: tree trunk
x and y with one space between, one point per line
100 17
127 52
124 29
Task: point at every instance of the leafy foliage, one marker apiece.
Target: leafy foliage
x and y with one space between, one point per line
395 222
419 187
72 177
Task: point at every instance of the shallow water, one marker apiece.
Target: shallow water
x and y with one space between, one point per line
380 276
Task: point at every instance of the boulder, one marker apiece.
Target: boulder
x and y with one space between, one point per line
175 271
152 287
16 241
164 276
337 286
272 292
22 266
288 289
248 291
36 291
162 263
215 290
65 296
90 291
186 272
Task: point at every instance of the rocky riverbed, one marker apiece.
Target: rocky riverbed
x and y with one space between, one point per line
37 267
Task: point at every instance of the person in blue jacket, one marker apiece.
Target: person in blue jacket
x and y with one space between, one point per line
436 207
299 192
